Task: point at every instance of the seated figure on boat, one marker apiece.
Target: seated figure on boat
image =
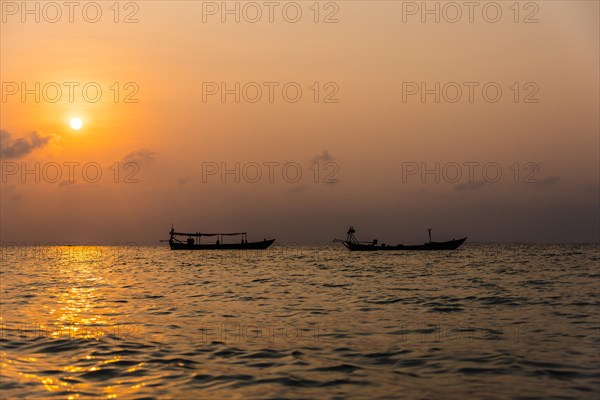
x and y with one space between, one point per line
192 241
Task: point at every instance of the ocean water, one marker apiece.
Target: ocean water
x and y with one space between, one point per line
485 321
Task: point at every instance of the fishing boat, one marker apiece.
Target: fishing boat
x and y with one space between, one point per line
192 241
353 244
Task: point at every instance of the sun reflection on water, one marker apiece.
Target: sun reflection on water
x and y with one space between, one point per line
251 325
74 311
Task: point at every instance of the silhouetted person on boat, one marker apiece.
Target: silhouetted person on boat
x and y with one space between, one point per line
192 241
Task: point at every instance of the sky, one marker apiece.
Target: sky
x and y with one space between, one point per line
294 120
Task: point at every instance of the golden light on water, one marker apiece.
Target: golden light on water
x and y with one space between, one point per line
74 313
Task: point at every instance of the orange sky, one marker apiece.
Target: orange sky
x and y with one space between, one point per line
369 136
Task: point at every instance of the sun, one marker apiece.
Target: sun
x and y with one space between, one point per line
76 123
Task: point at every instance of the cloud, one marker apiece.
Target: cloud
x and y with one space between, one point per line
590 188
548 181
471 185
139 157
12 192
20 147
66 182
325 156
296 190
330 176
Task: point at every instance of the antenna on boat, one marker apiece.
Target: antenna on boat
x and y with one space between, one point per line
429 230
350 233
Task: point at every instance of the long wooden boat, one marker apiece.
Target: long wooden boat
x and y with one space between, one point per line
353 244
194 241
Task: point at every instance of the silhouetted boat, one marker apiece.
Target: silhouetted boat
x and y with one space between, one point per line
353 244
193 242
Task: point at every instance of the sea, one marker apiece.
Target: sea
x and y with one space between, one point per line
486 321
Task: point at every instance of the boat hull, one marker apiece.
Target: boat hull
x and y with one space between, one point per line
222 246
449 245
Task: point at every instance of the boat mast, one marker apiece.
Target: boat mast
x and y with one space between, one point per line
351 238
